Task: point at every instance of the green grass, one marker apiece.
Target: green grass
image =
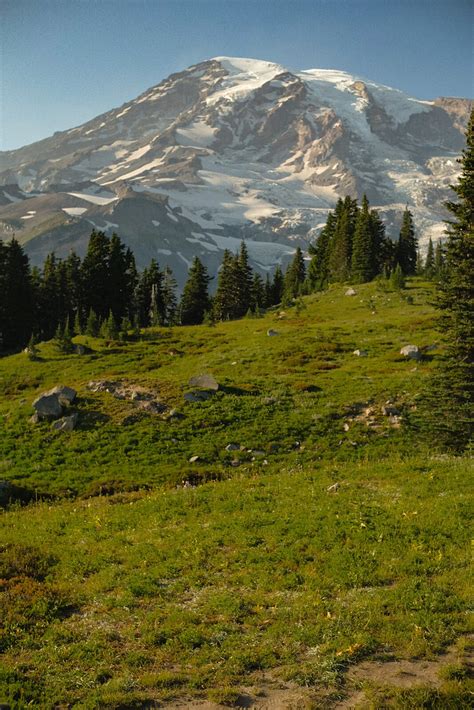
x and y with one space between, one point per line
169 592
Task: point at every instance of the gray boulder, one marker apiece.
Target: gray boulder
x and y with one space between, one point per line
412 352
206 382
48 406
232 447
66 423
198 395
66 395
272 332
360 353
351 292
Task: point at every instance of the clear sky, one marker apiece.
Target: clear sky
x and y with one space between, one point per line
65 61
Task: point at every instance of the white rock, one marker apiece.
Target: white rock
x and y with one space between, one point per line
411 351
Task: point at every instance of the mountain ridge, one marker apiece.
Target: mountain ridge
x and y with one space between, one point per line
240 148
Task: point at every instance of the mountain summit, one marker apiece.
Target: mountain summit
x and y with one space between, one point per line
234 148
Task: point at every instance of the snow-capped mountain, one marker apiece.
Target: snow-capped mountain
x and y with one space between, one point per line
233 148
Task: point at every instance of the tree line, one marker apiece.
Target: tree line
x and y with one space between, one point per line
353 246
105 294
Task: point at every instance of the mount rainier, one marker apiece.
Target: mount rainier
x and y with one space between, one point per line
228 149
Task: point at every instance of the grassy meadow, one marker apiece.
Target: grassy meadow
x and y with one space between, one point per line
136 578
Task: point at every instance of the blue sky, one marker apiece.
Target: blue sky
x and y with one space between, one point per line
66 61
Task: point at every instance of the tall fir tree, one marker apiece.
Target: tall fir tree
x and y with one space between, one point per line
450 413
195 298
295 275
340 248
429 265
257 293
243 279
226 293
121 278
407 245
318 270
278 286
16 310
362 262
49 301
170 303
95 275
439 260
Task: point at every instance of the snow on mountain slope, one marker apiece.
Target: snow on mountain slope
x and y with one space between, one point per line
235 148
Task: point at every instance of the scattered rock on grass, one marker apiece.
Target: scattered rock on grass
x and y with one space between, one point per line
351 292
198 395
206 382
232 447
66 423
360 353
333 488
272 332
66 395
193 459
48 406
412 352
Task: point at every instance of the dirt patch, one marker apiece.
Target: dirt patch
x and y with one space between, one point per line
401 674
268 693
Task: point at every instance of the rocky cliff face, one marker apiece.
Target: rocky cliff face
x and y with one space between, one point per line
233 148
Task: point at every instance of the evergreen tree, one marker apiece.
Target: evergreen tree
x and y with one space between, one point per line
63 338
362 269
268 301
429 266
278 286
32 350
451 410
92 324
149 305
170 303
407 245
439 260
109 329
49 308
243 279
397 279
295 275
257 294
225 297
75 291
318 270
340 248
382 247
195 298
16 309
95 275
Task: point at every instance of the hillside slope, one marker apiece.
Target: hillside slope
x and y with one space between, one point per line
320 562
